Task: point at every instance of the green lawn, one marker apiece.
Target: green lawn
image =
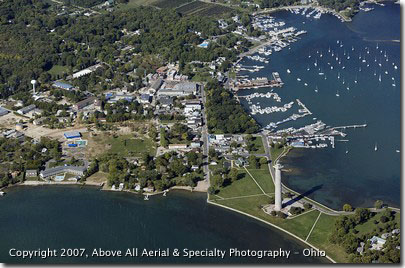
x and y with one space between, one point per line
320 236
258 141
58 70
369 225
136 3
243 186
127 146
275 152
263 178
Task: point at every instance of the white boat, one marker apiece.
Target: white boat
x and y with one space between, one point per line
375 147
316 90
398 151
298 79
337 94
288 71
305 84
146 197
379 78
2 193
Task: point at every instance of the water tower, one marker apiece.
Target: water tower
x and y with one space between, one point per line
33 82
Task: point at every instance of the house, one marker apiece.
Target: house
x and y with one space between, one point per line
137 187
195 144
157 84
31 173
377 243
121 186
180 90
240 162
385 235
194 167
26 109
148 189
62 85
72 134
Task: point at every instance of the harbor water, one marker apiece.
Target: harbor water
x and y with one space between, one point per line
59 217
335 70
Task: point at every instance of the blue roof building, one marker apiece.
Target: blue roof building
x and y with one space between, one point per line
72 135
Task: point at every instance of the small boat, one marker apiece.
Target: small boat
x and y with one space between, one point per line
375 147
2 193
379 78
337 94
398 151
288 71
355 80
146 197
298 79
386 72
395 67
316 90
164 193
347 151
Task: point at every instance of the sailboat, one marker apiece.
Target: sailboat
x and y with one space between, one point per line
146 197
337 93
377 46
352 48
347 151
355 80
308 68
316 90
338 75
348 88
375 73
379 78
315 63
375 147
288 71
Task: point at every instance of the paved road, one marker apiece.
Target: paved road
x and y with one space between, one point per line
205 139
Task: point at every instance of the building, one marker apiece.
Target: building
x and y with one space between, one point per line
84 103
165 101
63 85
26 109
180 90
157 84
31 173
145 98
72 135
75 170
86 71
177 146
377 243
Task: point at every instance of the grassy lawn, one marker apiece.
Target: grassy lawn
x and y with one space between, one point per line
320 236
369 225
98 177
136 3
258 141
170 3
123 145
299 226
275 152
263 178
127 146
58 70
243 186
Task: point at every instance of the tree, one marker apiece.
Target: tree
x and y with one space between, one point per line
263 161
233 174
347 207
253 163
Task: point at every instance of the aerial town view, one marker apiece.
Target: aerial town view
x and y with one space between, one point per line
200 131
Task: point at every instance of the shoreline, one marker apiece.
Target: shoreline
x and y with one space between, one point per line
272 225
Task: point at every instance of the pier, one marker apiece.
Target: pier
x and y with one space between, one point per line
350 126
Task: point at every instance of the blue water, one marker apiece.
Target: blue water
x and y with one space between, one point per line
362 175
84 217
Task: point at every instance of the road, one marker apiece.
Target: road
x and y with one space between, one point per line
206 182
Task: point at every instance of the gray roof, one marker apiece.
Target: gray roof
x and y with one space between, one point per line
62 85
27 108
156 85
186 86
61 169
165 100
3 111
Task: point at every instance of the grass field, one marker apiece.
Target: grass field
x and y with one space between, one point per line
258 141
275 152
243 186
58 70
170 3
136 3
98 177
124 145
203 9
263 177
